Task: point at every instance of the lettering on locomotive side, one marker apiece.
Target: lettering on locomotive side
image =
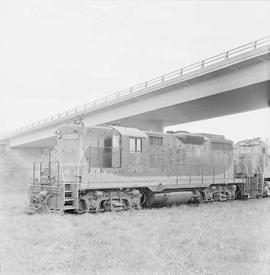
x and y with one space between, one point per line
135 169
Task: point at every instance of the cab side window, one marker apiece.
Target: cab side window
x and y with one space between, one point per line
155 140
135 145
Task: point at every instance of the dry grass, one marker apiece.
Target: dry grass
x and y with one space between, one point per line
219 238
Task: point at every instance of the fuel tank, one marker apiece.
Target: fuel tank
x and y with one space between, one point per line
164 199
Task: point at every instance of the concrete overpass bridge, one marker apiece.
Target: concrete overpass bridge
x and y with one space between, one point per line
234 81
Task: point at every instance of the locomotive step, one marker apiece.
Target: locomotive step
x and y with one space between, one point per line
68 194
68 199
55 210
69 207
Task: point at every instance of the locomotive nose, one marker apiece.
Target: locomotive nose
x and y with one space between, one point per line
248 164
242 164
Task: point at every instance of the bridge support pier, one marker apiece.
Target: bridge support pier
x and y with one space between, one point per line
16 167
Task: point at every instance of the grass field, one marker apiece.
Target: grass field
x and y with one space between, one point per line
217 238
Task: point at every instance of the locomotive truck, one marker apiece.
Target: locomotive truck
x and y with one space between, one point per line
112 168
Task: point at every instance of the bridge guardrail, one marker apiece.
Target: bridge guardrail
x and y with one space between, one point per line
137 89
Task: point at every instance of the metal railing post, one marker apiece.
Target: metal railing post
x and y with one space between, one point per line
202 63
189 174
255 44
34 169
214 174
58 173
181 71
40 168
202 174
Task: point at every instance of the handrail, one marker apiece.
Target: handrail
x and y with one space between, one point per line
142 87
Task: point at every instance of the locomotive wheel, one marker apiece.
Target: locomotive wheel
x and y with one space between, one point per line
114 205
238 192
104 206
216 197
82 207
198 196
126 205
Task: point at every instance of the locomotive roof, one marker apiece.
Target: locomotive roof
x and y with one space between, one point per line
188 138
131 132
211 135
158 134
184 136
251 142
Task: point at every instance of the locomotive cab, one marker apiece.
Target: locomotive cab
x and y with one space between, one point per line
100 150
251 157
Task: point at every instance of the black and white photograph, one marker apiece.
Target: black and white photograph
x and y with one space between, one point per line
134 137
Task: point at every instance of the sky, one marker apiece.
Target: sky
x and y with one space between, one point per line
55 55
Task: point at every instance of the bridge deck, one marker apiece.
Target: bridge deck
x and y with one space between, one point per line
255 49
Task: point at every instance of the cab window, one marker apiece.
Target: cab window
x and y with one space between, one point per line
155 140
135 145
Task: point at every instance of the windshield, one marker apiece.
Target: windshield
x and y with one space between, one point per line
248 149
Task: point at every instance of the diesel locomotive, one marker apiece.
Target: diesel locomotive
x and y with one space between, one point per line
112 168
252 158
